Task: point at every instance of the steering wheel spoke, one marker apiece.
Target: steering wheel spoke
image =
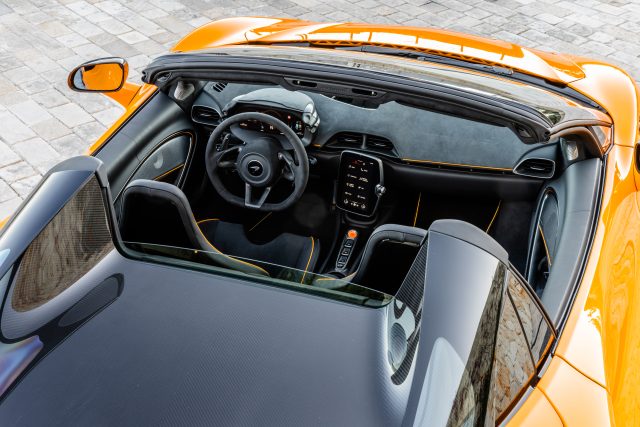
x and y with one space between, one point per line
289 172
244 135
249 196
227 164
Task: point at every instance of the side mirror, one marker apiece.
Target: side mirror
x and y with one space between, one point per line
100 75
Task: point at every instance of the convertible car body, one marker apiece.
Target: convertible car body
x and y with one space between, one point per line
297 223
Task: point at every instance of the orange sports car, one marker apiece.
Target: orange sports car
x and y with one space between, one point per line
302 223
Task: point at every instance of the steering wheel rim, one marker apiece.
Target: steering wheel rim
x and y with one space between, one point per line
260 150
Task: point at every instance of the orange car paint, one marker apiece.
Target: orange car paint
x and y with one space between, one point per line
126 95
593 378
536 403
441 42
577 399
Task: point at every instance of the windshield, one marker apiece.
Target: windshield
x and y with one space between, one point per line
553 107
281 276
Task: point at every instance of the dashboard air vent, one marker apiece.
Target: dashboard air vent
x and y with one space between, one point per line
536 168
379 143
349 139
219 86
205 115
361 141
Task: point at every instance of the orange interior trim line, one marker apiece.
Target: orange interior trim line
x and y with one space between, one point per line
415 217
308 261
544 242
230 257
495 215
181 165
260 222
461 165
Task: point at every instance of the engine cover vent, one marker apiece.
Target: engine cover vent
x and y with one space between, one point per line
536 168
205 115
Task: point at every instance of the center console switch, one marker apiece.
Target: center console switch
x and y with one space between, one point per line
346 249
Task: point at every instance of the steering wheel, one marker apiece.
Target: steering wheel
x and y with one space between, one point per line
261 161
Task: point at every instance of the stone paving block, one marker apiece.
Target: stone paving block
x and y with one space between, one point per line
72 40
113 26
8 207
86 29
34 87
71 114
12 129
54 28
29 112
50 129
88 133
7 155
144 25
109 116
98 17
82 8
16 171
20 75
50 98
37 151
23 186
70 145
7 192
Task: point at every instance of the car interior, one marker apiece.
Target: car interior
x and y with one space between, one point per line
297 181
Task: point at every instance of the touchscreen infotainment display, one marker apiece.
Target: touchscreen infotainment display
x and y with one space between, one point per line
358 177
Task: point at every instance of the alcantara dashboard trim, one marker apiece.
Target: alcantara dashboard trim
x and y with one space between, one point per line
421 177
456 165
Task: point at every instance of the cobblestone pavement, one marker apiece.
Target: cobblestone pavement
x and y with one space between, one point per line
43 122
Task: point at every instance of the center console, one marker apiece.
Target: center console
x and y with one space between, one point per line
360 183
359 189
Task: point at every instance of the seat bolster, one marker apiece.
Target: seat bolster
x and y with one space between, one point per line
175 196
286 250
394 232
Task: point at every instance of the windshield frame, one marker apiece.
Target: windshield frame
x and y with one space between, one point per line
374 69
208 65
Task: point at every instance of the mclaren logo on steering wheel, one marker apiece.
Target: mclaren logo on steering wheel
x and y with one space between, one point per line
255 168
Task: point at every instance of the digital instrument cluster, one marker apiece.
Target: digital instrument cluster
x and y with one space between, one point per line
290 119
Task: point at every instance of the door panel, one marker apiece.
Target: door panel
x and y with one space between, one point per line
157 122
560 233
167 163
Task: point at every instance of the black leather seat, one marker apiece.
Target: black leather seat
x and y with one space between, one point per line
159 213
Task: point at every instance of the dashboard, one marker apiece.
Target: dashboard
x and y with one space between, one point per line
393 130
